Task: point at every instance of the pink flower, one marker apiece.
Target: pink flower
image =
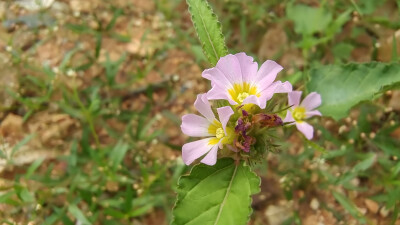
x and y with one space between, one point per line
236 78
304 110
206 126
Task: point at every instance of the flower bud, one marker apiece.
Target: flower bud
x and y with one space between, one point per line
267 120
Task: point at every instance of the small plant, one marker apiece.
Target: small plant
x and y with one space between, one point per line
238 125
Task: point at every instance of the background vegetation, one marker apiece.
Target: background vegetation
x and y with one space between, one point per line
91 95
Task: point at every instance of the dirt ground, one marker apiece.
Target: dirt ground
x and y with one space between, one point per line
155 44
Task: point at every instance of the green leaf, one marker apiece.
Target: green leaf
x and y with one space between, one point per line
342 51
51 220
118 154
362 166
22 143
208 30
216 195
32 168
365 164
6 197
349 206
368 6
308 20
78 214
395 57
24 194
343 86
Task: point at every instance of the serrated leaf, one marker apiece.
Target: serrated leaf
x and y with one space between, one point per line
216 195
208 30
343 86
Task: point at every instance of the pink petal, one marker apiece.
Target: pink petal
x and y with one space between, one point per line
267 74
204 107
276 87
224 114
289 117
248 66
217 93
267 94
312 101
285 87
252 99
313 113
217 78
294 98
194 150
195 126
229 65
306 129
211 157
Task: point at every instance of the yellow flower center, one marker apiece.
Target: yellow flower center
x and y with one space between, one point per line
242 96
220 133
215 129
212 129
240 92
299 113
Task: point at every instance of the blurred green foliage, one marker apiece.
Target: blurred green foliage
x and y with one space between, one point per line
119 184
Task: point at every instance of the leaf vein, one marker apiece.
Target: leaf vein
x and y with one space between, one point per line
226 195
208 34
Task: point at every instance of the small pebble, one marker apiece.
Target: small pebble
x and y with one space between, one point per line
314 204
384 212
372 206
342 129
372 135
362 210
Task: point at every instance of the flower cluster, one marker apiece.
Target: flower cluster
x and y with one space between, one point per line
242 90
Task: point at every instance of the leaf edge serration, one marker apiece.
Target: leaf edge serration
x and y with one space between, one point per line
219 27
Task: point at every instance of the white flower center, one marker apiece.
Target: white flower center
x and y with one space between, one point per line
242 96
219 133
